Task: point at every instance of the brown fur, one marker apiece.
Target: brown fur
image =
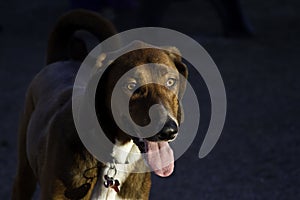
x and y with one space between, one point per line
127 62
141 190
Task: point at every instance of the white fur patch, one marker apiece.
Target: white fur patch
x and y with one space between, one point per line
126 157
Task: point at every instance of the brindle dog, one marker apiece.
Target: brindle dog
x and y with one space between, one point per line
50 151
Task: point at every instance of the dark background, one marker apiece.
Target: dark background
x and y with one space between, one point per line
257 156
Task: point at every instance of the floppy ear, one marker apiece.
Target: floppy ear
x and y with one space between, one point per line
103 58
175 55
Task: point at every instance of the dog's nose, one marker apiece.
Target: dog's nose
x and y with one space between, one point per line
169 130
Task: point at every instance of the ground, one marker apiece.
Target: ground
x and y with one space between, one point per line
257 156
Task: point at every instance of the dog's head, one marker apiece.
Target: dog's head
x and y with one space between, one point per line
161 82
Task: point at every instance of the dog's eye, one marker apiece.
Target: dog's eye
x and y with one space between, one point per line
131 86
171 82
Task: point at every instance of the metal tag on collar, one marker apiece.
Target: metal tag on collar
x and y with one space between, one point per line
109 178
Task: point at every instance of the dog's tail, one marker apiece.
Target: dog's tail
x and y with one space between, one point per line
61 46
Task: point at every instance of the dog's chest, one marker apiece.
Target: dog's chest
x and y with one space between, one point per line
101 192
126 157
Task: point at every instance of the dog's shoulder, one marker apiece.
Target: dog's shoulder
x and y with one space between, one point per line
53 79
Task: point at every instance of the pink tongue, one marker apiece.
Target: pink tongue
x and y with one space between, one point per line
160 158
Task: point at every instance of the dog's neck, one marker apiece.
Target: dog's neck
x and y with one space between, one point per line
127 159
125 153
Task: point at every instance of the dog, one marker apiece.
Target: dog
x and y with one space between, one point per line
50 151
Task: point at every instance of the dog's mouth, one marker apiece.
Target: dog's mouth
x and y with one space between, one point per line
156 149
158 154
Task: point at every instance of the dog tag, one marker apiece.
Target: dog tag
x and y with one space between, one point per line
110 182
115 186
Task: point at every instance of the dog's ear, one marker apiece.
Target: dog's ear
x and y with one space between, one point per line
103 59
175 55
100 60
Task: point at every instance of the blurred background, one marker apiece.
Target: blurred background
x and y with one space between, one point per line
255 44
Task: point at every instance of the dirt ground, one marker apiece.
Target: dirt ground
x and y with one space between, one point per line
257 156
